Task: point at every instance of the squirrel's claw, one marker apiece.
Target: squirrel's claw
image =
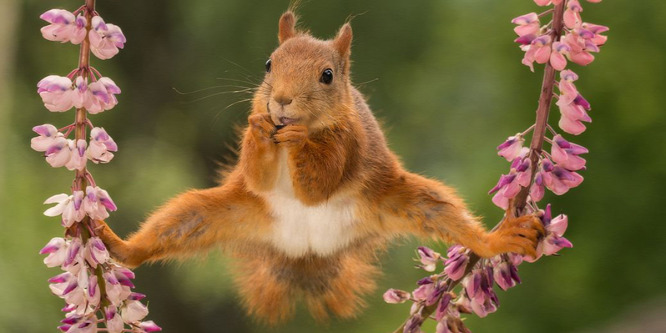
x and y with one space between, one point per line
518 235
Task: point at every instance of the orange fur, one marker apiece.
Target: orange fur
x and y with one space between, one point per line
335 153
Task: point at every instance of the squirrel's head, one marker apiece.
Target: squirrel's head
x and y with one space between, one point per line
307 79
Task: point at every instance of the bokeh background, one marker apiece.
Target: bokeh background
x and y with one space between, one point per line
445 78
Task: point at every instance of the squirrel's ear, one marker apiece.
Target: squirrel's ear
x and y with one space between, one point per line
287 26
342 41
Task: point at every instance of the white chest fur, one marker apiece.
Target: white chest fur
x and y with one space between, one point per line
299 229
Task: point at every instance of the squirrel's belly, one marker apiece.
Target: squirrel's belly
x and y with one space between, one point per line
298 229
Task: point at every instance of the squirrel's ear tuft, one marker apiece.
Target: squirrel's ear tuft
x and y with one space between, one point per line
342 41
287 26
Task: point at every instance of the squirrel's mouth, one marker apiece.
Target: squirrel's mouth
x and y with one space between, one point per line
287 121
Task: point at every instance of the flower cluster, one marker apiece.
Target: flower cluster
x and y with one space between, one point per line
580 39
105 39
532 171
95 289
72 154
60 94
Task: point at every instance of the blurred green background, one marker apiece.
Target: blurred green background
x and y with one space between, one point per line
445 78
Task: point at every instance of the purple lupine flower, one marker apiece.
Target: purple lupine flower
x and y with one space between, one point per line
149 326
47 135
101 146
428 257
56 92
505 273
102 94
57 250
557 57
395 296
558 179
565 154
424 290
457 262
95 252
443 306
538 50
509 185
63 27
97 202
105 38
133 311
528 24
68 206
114 323
572 17
77 158
512 148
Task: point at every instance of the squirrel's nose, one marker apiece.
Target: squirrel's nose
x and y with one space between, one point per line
282 100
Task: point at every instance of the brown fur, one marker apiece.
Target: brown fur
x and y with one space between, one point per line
335 149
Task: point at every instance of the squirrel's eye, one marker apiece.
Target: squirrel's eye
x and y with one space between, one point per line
268 66
326 76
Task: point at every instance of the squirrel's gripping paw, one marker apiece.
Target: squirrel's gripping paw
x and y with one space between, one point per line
292 135
261 127
518 235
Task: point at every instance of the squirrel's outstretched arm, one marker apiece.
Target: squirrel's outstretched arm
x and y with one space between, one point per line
426 208
188 223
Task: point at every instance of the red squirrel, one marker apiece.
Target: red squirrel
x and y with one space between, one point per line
315 195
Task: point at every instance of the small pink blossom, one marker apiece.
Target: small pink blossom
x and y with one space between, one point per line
95 252
428 258
47 135
505 274
579 48
528 24
149 326
105 39
509 185
56 92
97 202
114 323
479 292
103 93
558 179
64 27
395 296
573 106
572 17
456 263
101 146
93 294
512 148
133 311
537 191
67 206
565 154
538 50
592 32
118 284
77 159
557 57
67 286
57 250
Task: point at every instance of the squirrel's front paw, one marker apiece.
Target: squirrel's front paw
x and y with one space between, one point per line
261 127
518 235
292 135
